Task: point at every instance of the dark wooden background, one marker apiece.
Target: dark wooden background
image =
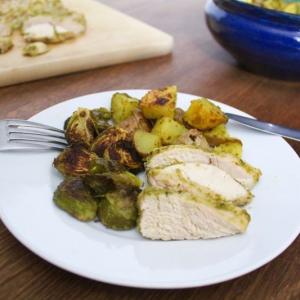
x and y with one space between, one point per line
198 66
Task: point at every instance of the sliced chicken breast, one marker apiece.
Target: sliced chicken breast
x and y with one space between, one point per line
242 172
169 215
189 176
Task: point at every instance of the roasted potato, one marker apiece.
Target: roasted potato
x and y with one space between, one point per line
145 142
218 132
134 122
230 145
193 137
118 210
159 103
203 114
76 199
122 106
168 130
116 144
81 128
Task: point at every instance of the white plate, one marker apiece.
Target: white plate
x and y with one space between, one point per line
27 182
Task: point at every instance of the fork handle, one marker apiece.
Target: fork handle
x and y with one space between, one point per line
286 132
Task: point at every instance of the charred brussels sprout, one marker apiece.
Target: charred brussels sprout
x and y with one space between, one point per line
101 117
101 165
111 181
107 138
75 161
81 128
101 113
116 144
118 210
76 199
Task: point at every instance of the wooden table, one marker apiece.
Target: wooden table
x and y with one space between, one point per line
198 66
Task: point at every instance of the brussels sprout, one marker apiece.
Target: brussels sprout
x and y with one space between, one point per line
122 106
118 210
76 199
107 138
35 49
101 165
81 128
66 123
75 161
101 117
111 181
125 180
101 113
116 144
100 184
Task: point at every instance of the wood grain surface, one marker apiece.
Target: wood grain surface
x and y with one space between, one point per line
198 66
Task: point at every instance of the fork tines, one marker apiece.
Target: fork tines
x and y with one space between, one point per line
35 134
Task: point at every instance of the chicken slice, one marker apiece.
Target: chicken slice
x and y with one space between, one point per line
242 172
191 176
169 215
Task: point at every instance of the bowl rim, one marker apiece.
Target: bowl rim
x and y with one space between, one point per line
257 12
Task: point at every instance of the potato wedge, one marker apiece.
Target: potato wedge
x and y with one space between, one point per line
122 106
145 142
168 130
203 114
159 103
134 122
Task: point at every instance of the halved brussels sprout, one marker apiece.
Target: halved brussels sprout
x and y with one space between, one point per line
118 210
75 161
76 199
103 183
81 128
101 117
116 144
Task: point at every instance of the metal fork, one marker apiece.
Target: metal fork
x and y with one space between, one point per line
26 135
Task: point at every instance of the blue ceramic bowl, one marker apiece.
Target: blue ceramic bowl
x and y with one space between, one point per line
262 40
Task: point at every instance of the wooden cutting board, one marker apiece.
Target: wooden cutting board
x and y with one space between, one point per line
112 37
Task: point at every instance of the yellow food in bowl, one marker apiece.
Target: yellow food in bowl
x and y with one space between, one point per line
288 6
